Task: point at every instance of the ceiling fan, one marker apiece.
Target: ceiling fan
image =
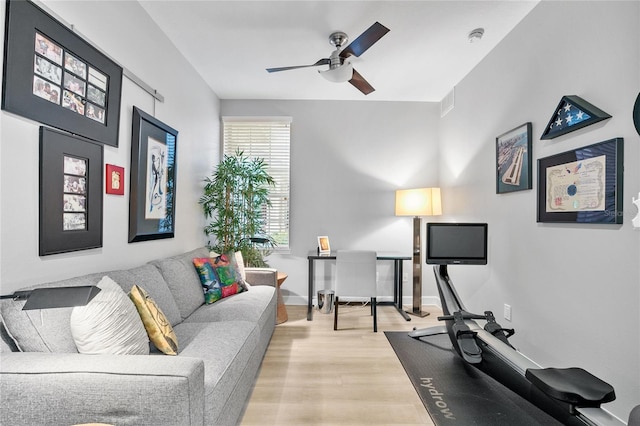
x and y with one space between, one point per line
340 69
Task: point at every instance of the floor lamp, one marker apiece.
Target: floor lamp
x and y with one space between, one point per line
418 202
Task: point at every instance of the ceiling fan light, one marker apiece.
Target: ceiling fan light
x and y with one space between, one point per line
339 74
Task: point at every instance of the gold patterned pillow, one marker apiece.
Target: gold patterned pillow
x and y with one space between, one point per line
155 322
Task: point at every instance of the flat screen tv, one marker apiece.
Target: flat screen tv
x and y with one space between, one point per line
457 243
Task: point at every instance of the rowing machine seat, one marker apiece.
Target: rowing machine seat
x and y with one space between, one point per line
575 386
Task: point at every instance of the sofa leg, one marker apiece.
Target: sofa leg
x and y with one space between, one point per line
335 314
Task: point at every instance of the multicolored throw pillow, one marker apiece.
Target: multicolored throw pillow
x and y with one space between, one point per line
155 322
220 276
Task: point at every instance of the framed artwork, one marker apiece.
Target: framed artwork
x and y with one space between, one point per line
70 193
323 245
114 180
636 114
583 185
572 113
513 160
53 76
153 179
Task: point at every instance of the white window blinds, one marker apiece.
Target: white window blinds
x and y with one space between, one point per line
269 139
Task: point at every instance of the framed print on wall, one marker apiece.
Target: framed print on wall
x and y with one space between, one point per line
70 193
53 76
513 160
583 185
153 179
114 179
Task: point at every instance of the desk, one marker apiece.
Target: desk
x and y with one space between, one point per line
397 279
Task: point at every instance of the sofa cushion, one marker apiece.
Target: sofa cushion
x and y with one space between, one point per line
109 324
220 277
183 280
47 330
234 344
149 278
43 330
252 305
155 322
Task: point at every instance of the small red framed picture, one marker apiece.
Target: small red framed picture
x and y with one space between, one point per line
114 180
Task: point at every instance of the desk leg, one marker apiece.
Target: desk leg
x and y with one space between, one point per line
397 291
310 290
395 282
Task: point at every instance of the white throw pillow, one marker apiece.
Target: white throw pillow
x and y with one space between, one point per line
109 324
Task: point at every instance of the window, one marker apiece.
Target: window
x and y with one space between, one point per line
266 138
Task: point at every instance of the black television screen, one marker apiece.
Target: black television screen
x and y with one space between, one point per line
457 243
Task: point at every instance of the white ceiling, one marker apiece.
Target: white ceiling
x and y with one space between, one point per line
422 58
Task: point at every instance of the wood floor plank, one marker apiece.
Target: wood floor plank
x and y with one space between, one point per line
313 375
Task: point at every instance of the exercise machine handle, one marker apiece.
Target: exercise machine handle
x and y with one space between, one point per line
465 316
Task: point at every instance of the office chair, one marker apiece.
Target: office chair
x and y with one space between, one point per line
356 277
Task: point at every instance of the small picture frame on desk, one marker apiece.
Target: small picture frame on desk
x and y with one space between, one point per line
323 246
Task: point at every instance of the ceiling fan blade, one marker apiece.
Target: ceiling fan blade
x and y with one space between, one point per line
360 83
365 40
324 61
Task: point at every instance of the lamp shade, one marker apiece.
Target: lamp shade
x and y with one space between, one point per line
339 74
418 202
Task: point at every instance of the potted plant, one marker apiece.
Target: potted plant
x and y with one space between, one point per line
235 198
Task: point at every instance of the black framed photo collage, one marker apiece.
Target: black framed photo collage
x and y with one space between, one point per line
66 80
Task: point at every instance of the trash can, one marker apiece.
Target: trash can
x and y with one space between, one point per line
325 301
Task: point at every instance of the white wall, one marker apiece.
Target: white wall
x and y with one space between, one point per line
574 289
347 160
125 32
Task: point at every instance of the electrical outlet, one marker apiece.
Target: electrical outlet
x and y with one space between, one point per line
507 312
377 276
405 277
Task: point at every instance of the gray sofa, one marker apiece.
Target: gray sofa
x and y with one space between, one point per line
221 347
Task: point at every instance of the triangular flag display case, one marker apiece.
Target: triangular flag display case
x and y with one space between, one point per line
572 113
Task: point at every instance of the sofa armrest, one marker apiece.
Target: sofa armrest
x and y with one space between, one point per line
262 276
46 388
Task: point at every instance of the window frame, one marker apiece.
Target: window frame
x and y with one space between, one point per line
282 177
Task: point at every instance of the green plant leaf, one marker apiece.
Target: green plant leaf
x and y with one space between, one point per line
234 197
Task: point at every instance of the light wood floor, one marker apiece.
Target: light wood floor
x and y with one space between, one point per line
312 375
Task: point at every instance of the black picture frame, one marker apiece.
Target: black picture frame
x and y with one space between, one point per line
636 114
572 113
595 171
71 173
53 76
153 178
514 162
